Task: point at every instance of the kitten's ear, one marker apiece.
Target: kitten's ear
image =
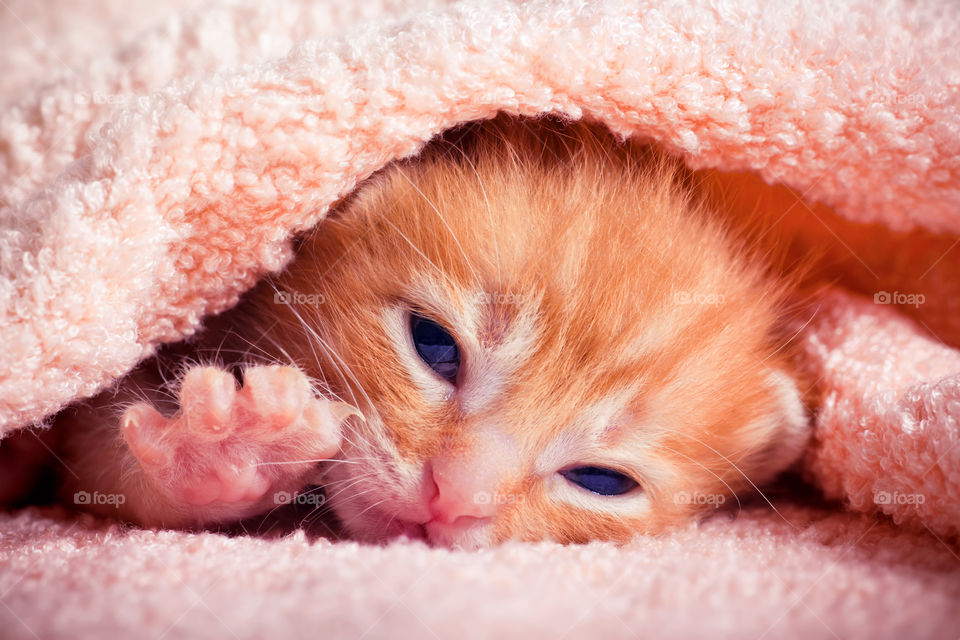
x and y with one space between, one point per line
785 430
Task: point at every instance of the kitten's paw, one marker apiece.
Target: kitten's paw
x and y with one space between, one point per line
230 447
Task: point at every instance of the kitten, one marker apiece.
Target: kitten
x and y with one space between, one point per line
532 330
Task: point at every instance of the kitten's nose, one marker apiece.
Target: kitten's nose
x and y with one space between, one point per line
466 485
462 490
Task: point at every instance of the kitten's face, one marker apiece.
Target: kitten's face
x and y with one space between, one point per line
545 342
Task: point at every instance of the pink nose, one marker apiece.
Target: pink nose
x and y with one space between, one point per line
466 485
462 490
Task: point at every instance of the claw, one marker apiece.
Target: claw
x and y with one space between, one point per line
140 426
342 410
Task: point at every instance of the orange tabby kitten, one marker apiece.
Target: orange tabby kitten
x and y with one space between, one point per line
530 331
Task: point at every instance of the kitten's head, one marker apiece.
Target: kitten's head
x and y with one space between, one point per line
548 337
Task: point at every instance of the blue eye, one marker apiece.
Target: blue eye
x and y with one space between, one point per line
435 346
605 482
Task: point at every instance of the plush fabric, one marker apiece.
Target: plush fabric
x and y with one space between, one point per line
156 158
816 574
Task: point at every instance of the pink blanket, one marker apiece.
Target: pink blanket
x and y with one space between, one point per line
155 161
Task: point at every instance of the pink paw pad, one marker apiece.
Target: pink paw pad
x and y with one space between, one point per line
221 445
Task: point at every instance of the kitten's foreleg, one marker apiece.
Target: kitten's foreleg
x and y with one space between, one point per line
228 452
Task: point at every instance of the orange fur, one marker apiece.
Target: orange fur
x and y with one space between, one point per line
605 316
604 313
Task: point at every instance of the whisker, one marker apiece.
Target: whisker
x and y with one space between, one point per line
734 466
445 224
486 199
705 468
279 463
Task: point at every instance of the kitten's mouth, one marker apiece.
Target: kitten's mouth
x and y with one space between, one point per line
457 535
414 531
464 532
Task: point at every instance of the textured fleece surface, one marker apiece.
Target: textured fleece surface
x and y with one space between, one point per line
155 159
816 575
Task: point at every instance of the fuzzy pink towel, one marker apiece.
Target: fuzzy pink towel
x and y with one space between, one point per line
155 160
822 576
